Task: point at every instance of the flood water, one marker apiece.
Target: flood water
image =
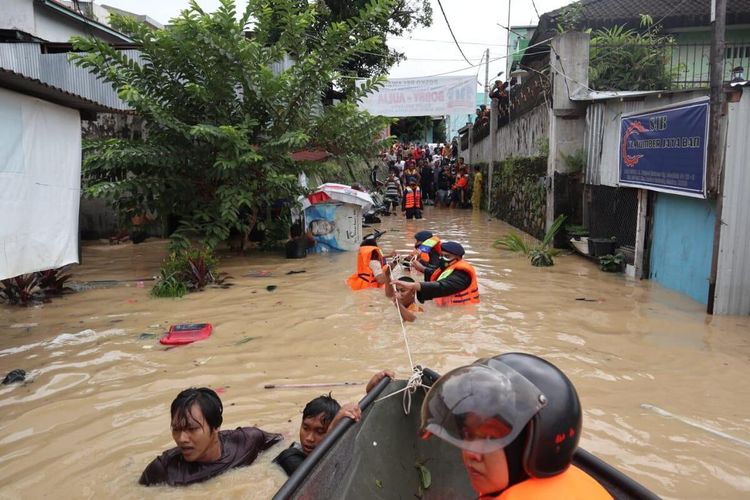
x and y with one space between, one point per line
97 408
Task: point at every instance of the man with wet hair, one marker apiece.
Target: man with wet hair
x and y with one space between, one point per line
203 450
320 416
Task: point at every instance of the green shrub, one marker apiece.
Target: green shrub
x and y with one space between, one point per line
186 271
33 288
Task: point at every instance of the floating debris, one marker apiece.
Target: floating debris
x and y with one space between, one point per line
14 376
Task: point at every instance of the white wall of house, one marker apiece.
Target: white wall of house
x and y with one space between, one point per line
45 23
54 27
40 184
17 15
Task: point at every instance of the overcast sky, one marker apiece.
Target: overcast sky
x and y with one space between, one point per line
474 22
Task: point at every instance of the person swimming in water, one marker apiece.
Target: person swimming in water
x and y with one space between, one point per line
404 297
319 417
203 450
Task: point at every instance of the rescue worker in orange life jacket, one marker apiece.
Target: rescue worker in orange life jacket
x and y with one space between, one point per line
412 203
370 263
453 283
427 250
517 420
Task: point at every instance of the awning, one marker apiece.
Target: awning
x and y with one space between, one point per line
337 192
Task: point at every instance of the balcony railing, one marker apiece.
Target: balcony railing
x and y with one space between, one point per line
659 67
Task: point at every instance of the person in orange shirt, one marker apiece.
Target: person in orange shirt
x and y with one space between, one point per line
461 188
517 420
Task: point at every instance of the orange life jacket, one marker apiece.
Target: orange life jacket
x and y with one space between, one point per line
413 198
427 246
461 183
573 484
363 276
468 295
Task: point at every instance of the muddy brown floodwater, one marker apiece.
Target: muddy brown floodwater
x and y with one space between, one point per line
96 409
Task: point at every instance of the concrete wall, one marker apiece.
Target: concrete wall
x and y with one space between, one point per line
17 15
43 22
54 27
521 138
682 244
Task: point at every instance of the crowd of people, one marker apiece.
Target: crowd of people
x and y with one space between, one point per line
419 175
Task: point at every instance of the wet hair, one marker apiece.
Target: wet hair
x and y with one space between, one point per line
408 279
206 399
324 406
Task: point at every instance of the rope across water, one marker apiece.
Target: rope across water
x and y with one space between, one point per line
415 380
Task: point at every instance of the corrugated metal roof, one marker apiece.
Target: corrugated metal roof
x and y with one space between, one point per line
593 139
733 276
56 72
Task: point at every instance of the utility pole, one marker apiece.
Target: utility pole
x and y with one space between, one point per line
508 62
716 177
486 76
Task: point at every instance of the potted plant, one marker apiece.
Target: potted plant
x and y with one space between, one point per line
576 231
599 247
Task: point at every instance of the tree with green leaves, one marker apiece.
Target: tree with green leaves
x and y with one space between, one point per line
221 122
403 17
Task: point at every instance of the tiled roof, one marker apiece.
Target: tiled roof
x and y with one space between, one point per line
692 12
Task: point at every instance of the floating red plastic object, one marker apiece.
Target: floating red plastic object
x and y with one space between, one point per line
187 333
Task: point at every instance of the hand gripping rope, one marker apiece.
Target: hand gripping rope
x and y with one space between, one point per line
415 380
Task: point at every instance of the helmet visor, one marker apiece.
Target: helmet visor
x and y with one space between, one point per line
480 407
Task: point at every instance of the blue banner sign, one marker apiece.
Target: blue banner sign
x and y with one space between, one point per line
666 150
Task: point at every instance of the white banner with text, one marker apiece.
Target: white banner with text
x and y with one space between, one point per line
432 96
